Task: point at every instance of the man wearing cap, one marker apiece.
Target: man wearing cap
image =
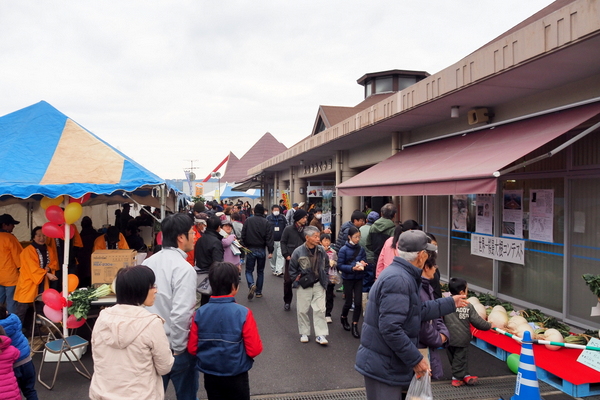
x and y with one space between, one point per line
292 238
10 261
388 355
257 235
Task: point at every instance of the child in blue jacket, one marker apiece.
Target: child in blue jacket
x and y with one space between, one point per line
23 367
224 337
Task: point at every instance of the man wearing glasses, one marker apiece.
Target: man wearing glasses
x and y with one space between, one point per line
175 300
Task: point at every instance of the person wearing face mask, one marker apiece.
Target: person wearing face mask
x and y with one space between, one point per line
316 221
199 228
278 222
352 260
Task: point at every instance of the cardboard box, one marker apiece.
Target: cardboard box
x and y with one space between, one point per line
106 263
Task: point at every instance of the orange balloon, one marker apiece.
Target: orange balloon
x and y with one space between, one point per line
73 282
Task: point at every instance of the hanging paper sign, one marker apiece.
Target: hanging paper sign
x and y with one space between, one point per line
497 248
591 358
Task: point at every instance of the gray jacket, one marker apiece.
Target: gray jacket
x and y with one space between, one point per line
458 324
301 261
390 333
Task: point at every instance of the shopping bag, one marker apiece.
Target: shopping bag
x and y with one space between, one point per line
420 389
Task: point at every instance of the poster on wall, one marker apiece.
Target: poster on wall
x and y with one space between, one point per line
485 214
286 199
541 214
459 212
512 213
327 206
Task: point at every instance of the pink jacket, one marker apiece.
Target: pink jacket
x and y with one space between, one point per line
9 390
385 257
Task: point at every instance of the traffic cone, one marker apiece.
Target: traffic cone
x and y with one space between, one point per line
527 387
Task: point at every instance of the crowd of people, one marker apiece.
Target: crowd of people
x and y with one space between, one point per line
176 315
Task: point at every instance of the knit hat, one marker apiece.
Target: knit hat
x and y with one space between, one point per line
299 214
259 209
372 217
199 207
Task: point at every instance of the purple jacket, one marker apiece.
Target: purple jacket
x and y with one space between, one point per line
228 255
429 335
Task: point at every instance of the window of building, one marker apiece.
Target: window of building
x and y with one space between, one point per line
368 88
584 231
384 84
404 82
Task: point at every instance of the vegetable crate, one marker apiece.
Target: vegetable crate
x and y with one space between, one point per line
581 390
490 348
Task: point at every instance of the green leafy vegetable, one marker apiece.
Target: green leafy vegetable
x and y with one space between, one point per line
82 300
593 282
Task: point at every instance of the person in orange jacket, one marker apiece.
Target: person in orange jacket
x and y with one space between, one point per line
10 250
112 239
39 263
199 227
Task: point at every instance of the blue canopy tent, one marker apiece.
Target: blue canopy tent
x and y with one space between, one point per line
45 153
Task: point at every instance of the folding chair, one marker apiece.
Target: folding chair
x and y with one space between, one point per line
58 344
36 327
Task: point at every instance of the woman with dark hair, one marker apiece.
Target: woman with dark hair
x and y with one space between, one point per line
352 260
435 281
128 336
39 264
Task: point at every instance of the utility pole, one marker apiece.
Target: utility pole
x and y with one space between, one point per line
190 175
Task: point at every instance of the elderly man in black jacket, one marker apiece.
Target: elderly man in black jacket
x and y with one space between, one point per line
257 234
291 238
209 249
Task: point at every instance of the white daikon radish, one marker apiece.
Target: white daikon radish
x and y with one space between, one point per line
515 321
480 308
499 308
520 330
498 319
473 300
553 335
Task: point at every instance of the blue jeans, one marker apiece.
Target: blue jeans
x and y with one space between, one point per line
6 296
25 375
258 257
184 376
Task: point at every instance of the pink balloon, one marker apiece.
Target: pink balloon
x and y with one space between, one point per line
159 238
55 214
52 314
73 323
52 299
53 230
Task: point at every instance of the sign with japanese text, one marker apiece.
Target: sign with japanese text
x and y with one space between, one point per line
497 248
591 358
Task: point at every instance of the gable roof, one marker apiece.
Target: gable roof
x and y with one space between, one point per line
266 147
333 115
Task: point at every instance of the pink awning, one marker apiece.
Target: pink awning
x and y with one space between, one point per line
462 164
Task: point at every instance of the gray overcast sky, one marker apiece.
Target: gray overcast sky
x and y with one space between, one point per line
166 82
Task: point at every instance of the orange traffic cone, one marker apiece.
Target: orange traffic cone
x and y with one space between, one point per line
527 387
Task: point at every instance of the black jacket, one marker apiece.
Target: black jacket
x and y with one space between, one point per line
290 240
208 249
258 233
278 222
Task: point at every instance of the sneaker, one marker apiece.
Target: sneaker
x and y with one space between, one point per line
286 306
328 319
457 382
258 295
471 380
340 289
251 292
322 340
304 339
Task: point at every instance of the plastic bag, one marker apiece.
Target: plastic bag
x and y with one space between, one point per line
420 389
333 275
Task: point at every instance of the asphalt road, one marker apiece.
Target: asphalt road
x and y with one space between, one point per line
286 365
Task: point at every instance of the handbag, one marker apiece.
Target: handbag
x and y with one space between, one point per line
203 284
307 280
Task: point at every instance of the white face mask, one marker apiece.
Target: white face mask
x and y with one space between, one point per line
318 216
275 213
